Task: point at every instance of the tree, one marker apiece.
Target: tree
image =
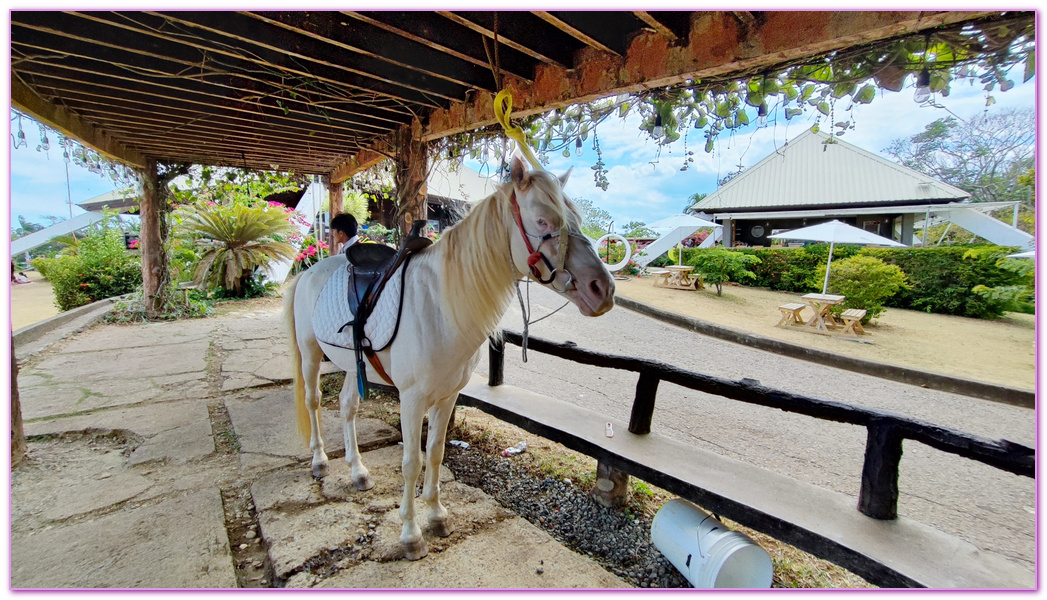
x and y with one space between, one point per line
692 200
720 265
595 220
637 229
236 240
987 155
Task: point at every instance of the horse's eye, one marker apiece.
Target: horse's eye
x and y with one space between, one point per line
542 222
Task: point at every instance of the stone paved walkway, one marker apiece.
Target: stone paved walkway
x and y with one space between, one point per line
165 456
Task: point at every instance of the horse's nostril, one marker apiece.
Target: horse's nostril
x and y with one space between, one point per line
596 286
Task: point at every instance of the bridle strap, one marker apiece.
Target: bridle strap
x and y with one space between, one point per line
535 254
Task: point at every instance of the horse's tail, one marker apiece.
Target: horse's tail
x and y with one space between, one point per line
296 359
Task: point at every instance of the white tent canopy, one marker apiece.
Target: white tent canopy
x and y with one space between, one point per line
835 232
1026 254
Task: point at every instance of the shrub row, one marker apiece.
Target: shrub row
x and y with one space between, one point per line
941 279
99 267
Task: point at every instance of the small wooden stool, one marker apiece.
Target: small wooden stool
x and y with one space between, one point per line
852 318
791 314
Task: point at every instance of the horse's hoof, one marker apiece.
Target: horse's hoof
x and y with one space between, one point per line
363 483
416 550
442 527
320 471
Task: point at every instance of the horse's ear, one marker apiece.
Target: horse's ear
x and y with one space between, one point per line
563 178
518 172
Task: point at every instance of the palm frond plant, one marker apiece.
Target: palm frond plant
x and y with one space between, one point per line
234 241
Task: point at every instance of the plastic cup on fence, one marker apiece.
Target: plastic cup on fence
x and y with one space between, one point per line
706 552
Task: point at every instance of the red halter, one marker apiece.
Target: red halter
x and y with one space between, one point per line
535 254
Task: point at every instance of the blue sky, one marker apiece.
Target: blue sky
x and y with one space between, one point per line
646 183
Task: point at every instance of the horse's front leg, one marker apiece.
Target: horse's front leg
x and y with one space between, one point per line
349 404
311 358
411 413
439 416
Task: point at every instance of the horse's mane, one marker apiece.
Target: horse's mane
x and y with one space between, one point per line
477 259
478 256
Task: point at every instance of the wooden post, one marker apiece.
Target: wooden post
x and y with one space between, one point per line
150 240
878 497
334 191
643 403
412 168
496 361
612 486
18 444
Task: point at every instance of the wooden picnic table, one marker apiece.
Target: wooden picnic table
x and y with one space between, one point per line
822 320
679 277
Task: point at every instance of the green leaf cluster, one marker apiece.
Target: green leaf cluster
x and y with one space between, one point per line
867 282
100 268
720 265
234 240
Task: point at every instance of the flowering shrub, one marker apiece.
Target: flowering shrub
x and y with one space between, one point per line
311 252
100 268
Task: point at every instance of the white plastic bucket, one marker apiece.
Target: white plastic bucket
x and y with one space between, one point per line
706 552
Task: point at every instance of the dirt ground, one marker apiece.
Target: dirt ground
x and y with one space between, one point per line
31 302
1000 351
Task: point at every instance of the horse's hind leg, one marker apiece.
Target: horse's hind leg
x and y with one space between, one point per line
349 404
411 413
311 357
439 415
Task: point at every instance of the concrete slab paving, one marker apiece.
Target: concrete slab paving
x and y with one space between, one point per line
485 560
176 432
146 361
266 424
179 542
142 335
72 478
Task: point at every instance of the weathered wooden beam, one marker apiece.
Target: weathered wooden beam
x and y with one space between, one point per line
259 35
574 32
94 83
69 124
878 496
643 403
449 40
496 361
19 448
656 25
334 191
362 160
378 43
151 242
718 46
1001 454
379 98
510 28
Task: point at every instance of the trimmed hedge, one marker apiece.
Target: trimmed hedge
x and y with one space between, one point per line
941 279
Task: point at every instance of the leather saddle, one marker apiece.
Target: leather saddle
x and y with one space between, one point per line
370 268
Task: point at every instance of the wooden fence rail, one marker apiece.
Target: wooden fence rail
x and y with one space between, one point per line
878 496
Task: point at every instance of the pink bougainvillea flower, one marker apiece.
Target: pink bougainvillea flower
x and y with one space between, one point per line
311 251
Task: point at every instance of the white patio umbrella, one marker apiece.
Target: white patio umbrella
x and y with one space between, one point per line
1026 254
678 228
835 232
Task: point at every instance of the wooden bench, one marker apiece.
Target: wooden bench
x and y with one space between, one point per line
185 288
661 276
852 319
791 314
889 553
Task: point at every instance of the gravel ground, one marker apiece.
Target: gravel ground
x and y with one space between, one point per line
620 542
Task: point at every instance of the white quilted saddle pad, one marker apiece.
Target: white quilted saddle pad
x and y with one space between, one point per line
332 312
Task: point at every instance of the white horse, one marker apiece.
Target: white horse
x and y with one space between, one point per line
455 293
